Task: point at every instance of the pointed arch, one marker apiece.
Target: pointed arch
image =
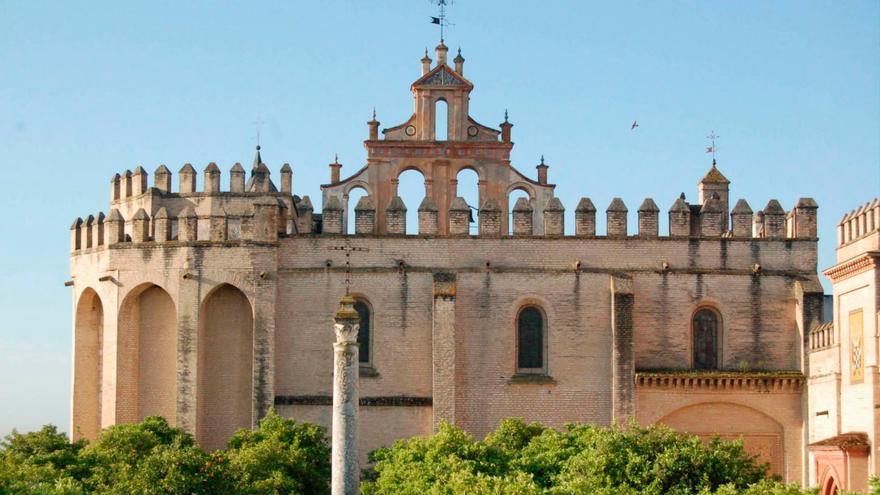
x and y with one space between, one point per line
87 366
225 387
147 355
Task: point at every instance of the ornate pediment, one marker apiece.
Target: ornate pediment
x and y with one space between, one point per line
442 76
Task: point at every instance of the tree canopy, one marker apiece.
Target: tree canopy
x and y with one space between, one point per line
285 457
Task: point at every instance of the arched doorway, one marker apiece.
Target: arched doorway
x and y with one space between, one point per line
225 366
147 356
830 486
87 367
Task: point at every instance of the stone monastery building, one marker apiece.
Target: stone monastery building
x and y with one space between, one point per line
209 304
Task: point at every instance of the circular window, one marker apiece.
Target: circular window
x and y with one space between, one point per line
410 130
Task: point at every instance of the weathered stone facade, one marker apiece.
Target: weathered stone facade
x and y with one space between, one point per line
211 306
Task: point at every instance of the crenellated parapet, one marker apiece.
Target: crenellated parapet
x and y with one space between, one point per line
195 211
858 223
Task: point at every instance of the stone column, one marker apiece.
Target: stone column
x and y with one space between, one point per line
623 361
344 458
443 348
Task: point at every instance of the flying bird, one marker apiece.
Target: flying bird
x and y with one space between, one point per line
635 124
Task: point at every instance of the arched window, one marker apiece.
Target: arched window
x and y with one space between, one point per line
441 120
366 316
530 340
706 339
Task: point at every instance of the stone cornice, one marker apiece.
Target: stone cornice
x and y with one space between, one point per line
721 381
854 266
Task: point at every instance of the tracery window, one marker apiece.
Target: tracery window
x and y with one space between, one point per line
531 334
366 315
706 339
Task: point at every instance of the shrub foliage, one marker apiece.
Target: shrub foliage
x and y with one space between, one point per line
284 457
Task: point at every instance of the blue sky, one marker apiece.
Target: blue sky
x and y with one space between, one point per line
91 89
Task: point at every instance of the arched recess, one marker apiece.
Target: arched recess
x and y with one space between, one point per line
147 356
706 338
412 190
441 120
225 366
467 186
88 360
762 435
351 198
829 485
512 198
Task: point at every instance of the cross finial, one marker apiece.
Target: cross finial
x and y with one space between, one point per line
259 124
712 148
348 250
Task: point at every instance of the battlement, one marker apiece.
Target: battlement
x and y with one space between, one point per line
859 223
266 218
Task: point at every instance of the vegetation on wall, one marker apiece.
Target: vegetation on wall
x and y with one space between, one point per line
285 457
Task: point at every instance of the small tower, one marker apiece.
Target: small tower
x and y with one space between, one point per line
649 225
505 129
373 125
335 169
716 183
426 63
522 217
441 51
616 218
542 171
459 63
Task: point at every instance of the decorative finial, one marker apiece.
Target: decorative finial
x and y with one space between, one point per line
505 115
542 159
335 157
459 51
682 196
258 147
374 113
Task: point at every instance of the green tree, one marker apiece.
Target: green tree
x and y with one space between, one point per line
520 458
280 457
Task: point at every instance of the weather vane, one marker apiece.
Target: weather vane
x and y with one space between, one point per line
258 123
712 148
441 19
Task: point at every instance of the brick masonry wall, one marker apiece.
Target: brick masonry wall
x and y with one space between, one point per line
293 294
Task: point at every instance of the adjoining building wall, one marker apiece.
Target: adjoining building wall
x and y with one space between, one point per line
844 381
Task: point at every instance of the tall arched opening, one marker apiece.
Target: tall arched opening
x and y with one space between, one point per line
88 360
512 198
147 356
225 366
411 189
353 196
441 120
467 186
